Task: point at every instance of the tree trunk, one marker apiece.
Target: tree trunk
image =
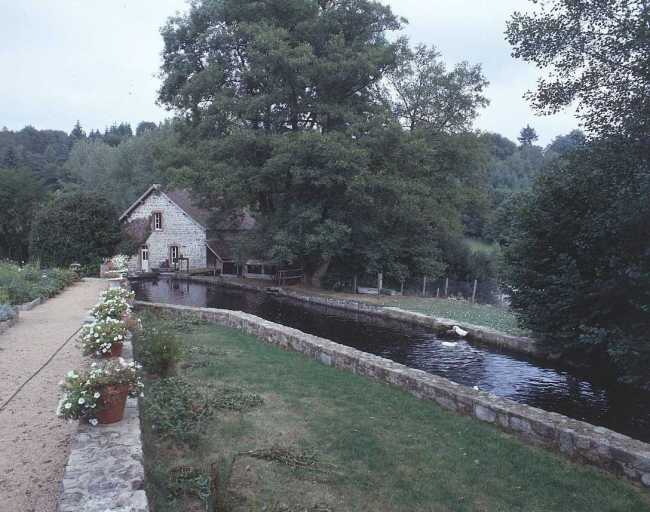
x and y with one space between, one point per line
313 276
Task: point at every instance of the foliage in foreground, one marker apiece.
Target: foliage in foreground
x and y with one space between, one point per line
579 259
23 284
328 440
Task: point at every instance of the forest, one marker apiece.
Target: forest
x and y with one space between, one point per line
38 167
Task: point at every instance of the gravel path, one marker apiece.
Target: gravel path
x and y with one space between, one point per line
34 443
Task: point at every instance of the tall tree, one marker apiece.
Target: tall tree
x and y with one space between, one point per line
10 160
19 195
283 84
527 136
579 254
595 54
77 133
426 95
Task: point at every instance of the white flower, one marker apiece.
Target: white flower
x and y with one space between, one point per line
81 401
96 395
93 422
68 405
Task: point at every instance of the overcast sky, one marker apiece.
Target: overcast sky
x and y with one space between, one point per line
97 61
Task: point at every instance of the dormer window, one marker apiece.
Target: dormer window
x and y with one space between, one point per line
157 221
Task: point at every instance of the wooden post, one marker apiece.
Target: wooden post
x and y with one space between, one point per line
380 282
354 284
402 287
474 291
424 286
446 287
438 292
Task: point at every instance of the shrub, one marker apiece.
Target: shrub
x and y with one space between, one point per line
74 226
99 337
159 350
82 391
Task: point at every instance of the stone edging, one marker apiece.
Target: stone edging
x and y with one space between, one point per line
9 323
578 440
105 469
521 344
28 306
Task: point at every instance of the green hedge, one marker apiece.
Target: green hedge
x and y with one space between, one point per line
23 284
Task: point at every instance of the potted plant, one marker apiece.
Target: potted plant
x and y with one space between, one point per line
99 394
111 307
103 338
118 293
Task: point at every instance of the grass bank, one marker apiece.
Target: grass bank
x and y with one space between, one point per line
494 317
24 284
245 426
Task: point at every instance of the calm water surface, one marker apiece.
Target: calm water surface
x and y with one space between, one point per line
505 374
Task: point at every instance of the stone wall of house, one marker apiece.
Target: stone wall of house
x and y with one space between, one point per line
178 228
578 440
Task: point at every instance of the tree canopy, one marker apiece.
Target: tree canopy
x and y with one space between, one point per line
426 95
74 226
596 55
289 111
579 262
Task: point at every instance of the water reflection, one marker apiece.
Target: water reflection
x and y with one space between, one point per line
518 378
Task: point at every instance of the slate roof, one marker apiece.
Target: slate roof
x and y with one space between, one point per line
184 199
227 221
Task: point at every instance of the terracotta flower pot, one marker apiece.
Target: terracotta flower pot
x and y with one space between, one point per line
113 400
115 351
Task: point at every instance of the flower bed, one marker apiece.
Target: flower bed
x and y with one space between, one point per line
24 284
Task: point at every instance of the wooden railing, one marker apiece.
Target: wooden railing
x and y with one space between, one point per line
289 276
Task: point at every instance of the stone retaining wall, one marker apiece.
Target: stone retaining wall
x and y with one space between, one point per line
578 440
105 469
521 344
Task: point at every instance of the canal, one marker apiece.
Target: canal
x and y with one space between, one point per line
519 378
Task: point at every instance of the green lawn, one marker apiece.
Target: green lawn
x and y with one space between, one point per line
499 318
245 426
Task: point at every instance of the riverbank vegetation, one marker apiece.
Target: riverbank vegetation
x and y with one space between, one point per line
578 242
247 426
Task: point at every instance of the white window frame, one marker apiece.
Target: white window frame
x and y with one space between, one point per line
173 259
157 221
